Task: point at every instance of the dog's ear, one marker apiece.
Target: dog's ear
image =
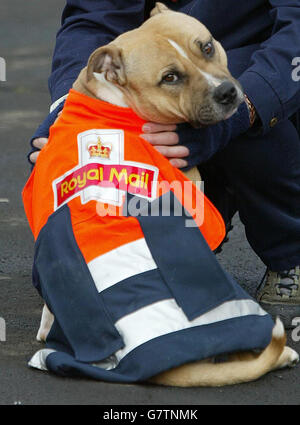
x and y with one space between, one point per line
159 8
107 59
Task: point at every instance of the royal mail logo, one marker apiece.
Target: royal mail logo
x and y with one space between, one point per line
102 174
99 150
135 180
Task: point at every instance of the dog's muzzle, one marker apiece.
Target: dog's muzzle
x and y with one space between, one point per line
226 93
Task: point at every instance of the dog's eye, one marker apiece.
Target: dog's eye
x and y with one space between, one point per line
208 49
170 78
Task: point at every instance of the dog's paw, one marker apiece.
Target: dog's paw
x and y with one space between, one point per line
293 357
47 320
41 335
288 358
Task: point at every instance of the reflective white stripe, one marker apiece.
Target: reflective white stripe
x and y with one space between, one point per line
57 102
38 360
120 263
157 319
166 316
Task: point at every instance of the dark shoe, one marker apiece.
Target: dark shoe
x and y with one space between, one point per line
279 295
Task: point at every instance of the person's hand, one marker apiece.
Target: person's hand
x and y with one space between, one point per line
186 146
37 143
164 139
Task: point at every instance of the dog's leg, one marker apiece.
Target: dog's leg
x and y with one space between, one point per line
45 325
242 367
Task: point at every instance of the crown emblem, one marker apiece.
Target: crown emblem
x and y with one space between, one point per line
99 150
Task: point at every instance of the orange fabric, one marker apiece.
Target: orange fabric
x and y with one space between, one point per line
96 234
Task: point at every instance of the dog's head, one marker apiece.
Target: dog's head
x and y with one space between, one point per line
170 70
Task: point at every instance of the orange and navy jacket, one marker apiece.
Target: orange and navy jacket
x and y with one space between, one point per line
61 154
132 294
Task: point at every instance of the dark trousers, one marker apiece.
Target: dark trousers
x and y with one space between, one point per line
260 178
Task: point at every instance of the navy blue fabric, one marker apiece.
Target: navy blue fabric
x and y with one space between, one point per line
266 192
64 281
165 352
195 273
84 331
204 142
149 287
57 340
135 292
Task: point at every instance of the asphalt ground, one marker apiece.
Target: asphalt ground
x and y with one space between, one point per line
27 36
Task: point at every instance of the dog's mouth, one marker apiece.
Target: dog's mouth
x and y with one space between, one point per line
207 119
229 115
219 106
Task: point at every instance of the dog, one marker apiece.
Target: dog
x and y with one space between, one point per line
171 70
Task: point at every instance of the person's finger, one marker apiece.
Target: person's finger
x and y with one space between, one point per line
178 163
39 142
151 127
165 138
173 151
33 157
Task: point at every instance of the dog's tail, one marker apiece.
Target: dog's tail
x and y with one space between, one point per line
242 367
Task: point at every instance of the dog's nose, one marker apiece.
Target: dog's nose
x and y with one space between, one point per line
226 93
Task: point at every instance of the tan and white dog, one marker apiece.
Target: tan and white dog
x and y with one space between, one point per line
171 70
